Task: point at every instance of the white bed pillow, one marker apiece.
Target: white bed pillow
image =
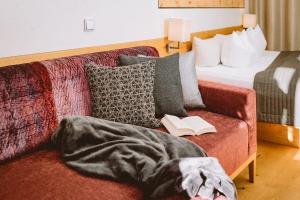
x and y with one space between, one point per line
246 40
257 38
237 53
222 38
207 52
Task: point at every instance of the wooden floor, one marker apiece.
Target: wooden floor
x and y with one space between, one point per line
278 175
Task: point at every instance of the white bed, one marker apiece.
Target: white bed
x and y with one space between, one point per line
244 76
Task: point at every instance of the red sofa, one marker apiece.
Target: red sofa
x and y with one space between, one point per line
35 97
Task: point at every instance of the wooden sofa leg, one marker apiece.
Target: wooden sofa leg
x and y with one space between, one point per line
252 171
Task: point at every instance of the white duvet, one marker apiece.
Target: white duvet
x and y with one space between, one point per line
244 76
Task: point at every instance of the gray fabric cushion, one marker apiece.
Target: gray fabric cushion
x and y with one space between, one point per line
167 84
124 94
191 94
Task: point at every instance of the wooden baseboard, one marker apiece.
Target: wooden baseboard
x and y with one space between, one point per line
159 44
279 134
251 159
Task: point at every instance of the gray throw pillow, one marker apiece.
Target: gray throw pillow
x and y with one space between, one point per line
167 84
191 94
124 94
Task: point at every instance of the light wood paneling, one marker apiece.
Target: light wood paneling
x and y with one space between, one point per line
278 169
279 134
202 3
238 3
159 44
226 3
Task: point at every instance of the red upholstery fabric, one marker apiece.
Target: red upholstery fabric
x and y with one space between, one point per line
43 175
229 144
69 82
27 109
232 101
34 97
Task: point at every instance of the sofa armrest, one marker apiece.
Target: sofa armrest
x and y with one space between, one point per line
232 101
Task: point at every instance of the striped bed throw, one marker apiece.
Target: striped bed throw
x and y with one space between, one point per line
276 89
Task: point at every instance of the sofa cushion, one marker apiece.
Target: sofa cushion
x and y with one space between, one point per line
69 82
191 94
43 174
124 94
229 144
27 109
168 94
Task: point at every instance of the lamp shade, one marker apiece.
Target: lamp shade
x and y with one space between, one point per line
179 30
249 20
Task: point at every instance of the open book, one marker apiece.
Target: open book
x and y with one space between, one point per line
187 126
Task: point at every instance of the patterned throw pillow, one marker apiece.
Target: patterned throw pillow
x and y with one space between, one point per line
124 94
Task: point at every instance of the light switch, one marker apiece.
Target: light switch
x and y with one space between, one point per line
89 24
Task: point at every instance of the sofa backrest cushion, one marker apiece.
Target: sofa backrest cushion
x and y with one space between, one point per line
34 97
27 111
69 81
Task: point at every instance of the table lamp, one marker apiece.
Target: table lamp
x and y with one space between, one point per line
249 21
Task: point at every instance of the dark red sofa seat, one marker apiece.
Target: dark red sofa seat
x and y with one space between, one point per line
41 174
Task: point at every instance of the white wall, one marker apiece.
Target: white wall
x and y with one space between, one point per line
32 26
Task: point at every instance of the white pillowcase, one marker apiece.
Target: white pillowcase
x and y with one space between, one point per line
246 40
222 38
257 38
237 51
208 52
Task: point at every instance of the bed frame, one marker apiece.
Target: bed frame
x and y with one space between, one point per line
279 134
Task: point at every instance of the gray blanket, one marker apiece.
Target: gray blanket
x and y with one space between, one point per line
276 89
158 163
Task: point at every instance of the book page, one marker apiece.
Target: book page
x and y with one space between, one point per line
174 131
194 125
199 125
176 122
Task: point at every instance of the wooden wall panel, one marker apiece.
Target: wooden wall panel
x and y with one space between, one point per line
238 3
201 3
159 44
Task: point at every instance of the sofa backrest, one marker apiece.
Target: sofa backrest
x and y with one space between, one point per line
69 82
27 110
35 97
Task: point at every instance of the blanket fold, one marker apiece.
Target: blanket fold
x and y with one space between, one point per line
276 89
158 163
